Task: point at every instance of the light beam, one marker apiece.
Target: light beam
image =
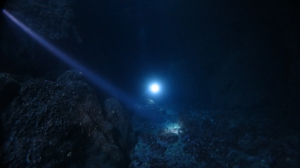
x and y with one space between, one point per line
94 78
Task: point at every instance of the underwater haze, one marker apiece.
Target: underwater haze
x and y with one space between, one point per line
150 83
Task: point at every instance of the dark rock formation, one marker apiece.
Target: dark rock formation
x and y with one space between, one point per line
117 116
51 19
61 124
168 137
9 88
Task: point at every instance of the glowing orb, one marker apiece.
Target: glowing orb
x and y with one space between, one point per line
154 88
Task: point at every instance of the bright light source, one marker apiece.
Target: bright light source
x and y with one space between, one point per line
154 88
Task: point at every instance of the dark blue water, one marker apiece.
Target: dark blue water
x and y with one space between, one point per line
228 74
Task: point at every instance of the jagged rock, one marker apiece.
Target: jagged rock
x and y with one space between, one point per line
169 137
158 149
61 124
117 116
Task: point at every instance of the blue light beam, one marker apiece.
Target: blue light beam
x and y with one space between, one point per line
91 76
